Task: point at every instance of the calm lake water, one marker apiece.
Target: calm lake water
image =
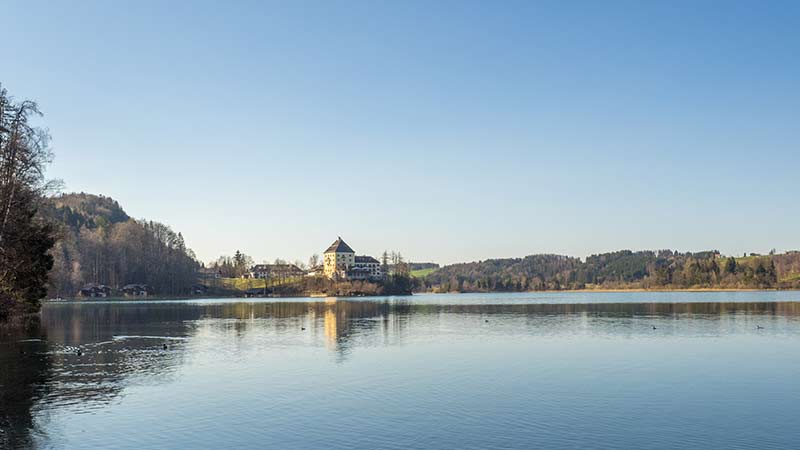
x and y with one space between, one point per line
564 370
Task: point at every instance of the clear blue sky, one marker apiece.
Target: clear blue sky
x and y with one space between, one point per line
448 130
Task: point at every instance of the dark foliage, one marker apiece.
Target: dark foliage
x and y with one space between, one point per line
27 243
624 269
535 272
25 238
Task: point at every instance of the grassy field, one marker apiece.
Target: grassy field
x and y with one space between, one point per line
421 273
746 259
243 284
790 277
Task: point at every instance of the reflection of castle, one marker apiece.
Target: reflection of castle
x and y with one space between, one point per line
341 263
333 326
348 324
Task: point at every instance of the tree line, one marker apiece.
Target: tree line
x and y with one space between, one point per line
625 269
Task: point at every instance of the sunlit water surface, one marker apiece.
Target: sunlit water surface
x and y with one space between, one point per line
572 370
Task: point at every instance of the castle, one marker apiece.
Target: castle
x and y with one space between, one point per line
341 263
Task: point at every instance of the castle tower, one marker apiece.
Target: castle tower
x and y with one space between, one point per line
338 259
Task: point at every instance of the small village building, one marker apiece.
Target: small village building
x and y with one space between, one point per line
341 263
95 290
136 290
208 273
276 271
366 267
257 292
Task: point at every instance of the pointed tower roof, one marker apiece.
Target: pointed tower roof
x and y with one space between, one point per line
339 246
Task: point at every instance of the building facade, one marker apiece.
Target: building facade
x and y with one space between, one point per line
366 268
271 271
341 263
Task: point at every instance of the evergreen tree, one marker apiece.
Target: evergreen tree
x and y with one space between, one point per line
730 265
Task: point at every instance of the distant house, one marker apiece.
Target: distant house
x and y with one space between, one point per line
207 273
257 292
272 271
95 290
136 290
340 262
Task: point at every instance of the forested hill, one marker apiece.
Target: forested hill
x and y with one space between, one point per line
99 243
85 210
664 269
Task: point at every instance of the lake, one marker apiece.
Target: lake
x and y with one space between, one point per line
714 370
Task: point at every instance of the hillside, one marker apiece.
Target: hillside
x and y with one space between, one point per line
625 269
86 210
100 244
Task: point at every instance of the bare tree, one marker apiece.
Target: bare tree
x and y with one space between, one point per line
25 239
313 261
24 153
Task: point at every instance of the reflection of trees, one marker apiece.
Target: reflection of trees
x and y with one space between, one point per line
116 343
338 320
620 309
24 372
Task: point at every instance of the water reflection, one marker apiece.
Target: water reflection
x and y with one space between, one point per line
344 322
83 356
25 372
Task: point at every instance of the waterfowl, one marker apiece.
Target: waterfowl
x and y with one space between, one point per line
487 321
80 352
165 346
759 327
302 328
654 327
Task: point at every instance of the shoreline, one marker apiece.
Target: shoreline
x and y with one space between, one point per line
622 290
677 290
317 296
